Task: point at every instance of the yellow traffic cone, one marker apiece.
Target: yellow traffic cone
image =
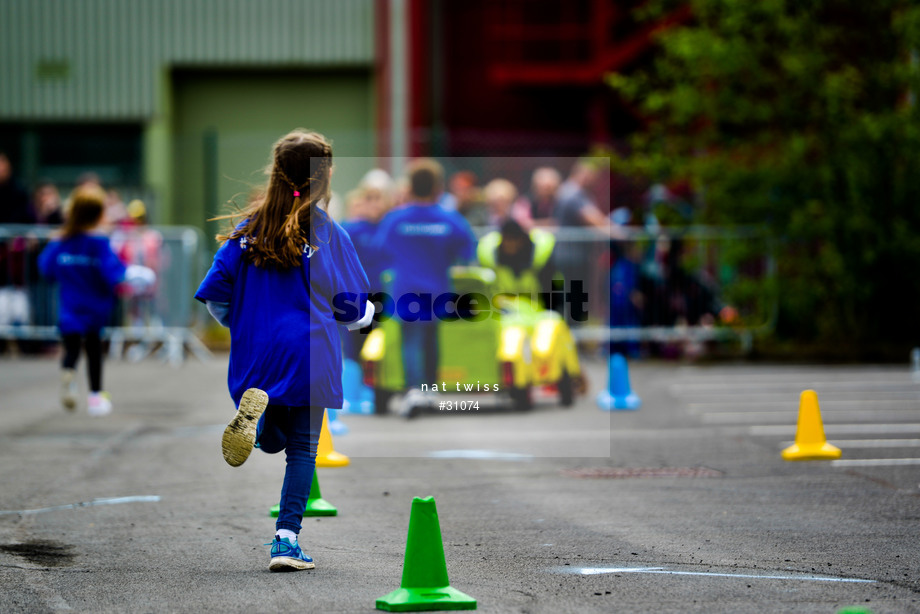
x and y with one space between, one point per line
326 456
810 443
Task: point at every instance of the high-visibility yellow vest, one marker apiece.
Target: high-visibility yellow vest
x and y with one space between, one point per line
505 280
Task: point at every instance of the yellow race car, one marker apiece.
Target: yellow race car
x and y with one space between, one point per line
507 348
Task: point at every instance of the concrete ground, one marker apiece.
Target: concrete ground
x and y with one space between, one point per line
682 506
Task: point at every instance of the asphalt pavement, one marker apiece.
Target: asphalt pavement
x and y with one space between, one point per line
684 505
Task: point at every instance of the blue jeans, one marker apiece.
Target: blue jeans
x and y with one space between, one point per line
420 352
295 430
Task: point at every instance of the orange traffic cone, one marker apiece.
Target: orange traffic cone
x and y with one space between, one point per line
326 456
810 443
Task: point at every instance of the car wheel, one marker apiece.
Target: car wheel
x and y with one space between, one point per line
566 389
520 398
381 401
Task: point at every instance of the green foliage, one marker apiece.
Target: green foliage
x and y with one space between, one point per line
803 115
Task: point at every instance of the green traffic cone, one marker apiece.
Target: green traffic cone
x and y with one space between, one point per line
424 583
316 505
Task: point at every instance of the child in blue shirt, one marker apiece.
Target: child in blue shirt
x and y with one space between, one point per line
88 273
273 282
419 242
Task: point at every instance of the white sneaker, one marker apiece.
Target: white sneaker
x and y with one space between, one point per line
99 404
414 401
69 389
432 398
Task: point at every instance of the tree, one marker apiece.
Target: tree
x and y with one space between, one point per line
801 115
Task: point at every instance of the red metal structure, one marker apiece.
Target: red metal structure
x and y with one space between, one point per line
521 76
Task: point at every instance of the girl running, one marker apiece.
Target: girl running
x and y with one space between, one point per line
88 274
273 282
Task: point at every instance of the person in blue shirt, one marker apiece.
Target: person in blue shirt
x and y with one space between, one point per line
419 242
273 282
88 274
365 207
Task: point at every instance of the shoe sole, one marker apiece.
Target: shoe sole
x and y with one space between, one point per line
240 435
98 413
68 394
286 563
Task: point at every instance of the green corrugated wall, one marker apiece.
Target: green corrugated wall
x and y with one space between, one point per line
101 59
85 61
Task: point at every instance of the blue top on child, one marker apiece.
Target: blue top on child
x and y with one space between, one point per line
87 271
285 337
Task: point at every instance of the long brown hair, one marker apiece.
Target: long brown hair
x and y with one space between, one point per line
280 223
86 210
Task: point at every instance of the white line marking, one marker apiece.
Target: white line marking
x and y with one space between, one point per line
725 396
875 462
729 417
479 455
590 571
871 443
842 429
70 506
792 404
864 382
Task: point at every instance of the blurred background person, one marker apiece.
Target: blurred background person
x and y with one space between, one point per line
87 179
419 242
626 301
88 272
522 261
576 209
14 209
499 195
465 197
116 212
14 199
402 191
366 205
379 192
136 243
538 206
47 206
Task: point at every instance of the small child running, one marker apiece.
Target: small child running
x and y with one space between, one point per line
273 282
88 274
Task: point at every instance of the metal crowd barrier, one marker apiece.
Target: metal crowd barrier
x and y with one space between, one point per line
661 286
160 321
696 284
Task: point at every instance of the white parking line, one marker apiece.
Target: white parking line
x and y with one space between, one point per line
871 443
851 404
480 455
767 386
875 462
742 417
837 429
784 396
591 571
70 506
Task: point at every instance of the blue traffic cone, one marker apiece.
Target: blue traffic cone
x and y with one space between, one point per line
618 395
336 426
359 399
368 402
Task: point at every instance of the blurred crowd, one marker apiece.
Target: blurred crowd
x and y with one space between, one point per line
45 206
631 283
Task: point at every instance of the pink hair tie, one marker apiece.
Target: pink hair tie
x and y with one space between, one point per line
296 193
